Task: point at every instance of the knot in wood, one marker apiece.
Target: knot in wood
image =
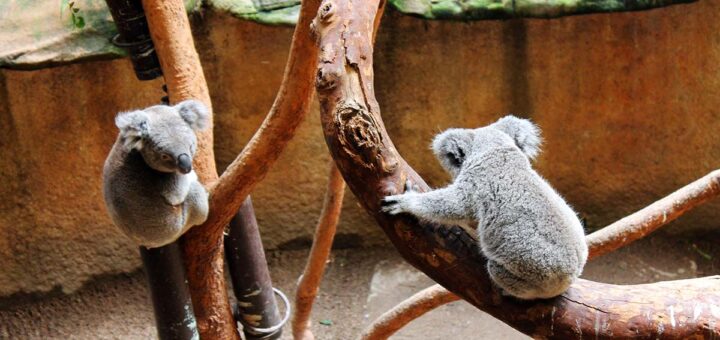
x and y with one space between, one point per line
327 77
326 11
360 137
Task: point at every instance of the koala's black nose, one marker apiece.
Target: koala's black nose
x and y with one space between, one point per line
184 163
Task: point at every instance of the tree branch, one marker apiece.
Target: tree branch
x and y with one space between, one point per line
170 31
608 239
410 309
322 243
202 245
373 169
654 216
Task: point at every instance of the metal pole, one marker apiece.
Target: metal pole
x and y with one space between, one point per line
165 273
257 308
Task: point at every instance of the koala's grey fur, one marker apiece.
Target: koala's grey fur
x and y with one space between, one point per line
534 242
150 189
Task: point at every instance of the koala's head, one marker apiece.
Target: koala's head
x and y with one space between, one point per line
454 146
164 135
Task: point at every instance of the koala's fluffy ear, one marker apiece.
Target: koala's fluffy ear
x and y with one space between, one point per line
525 134
133 127
451 147
195 113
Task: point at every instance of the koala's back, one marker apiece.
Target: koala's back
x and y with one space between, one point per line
132 192
524 224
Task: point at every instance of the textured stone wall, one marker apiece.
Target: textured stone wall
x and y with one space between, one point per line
628 104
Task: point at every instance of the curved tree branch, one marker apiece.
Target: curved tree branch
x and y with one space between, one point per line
322 243
654 216
410 309
373 169
608 239
202 245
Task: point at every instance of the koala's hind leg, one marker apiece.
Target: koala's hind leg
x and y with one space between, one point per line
197 203
511 283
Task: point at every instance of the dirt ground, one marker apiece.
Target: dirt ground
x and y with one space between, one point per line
359 285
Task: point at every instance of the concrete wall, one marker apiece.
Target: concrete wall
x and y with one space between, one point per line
628 104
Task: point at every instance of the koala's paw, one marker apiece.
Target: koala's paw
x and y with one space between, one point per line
395 204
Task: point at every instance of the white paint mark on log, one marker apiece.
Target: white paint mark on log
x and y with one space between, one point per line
672 316
253 293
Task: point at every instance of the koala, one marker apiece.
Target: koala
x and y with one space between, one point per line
151 191
534 242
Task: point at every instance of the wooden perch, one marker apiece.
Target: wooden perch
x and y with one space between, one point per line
202 245
608 239
373 169
652 217
322 243
410 309
170 31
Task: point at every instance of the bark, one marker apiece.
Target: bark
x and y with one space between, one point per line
373 169
203 245
410 309
312 275
170 31
608 239
654 216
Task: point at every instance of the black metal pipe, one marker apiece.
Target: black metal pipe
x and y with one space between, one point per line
257 308
165 272
134 36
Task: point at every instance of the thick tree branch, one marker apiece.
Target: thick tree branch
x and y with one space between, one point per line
373 169
202 245
170 30
322 243
608 239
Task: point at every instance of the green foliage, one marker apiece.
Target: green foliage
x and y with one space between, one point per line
76 18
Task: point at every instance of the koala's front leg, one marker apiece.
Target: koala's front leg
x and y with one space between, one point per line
198 206
177 192
447 205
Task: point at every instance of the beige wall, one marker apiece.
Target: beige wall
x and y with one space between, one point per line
628 104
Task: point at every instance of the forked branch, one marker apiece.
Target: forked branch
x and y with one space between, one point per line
373 169
202 245
608 239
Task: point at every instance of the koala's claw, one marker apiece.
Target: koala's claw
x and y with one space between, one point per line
391 205
411 187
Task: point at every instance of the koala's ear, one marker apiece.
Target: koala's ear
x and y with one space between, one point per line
195 113
525 134
134 126
451 147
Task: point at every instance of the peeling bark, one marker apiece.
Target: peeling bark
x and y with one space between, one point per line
373 169
605 240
